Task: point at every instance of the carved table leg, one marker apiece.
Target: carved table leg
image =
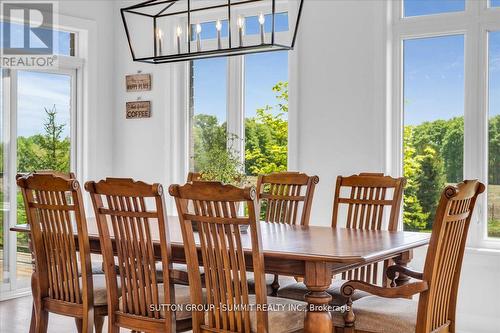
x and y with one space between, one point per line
318 277
403 260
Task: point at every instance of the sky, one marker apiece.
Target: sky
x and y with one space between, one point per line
262 72
37 91
433 75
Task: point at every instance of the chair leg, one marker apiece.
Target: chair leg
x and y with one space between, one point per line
79 325
33 320
42 321
84 325
275 285
349 318
98 323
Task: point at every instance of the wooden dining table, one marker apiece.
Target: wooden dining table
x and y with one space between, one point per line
313 252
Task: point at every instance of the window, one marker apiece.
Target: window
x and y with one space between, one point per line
64 41
38 132
266 113
240 104
433 124
448 107
494 136
256 130
429 7
208 110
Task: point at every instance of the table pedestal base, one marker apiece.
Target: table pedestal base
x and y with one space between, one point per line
318 278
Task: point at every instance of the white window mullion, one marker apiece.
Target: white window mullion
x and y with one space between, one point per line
236 103
481 239
475 23
475 114
10 174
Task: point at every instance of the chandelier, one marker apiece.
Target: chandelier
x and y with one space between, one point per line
163 31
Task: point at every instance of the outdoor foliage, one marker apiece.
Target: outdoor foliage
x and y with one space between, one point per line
433 156
47 151
266 141
266 136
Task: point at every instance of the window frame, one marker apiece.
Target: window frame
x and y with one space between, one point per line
474 23
74 67
235 89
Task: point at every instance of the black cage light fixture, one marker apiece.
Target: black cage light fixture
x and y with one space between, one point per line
163 31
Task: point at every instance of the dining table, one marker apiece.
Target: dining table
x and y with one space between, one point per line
315 253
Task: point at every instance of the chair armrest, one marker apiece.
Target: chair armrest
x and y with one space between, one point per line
404 291
392 270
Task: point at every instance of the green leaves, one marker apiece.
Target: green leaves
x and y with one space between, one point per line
266 136
48 151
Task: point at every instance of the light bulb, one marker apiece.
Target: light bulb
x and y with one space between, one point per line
159 34
262 18
241 21
218 25
179 31
198 28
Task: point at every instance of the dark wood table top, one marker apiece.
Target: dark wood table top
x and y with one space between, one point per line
311 243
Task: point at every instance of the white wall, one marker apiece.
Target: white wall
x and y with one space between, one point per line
340 88
101 82
147 149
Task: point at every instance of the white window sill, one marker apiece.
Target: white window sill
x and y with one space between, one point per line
483 251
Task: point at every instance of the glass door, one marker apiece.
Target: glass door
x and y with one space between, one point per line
37 134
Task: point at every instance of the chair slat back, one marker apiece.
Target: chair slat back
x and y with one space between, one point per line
133 212
55 212
443 264
286 197
212 207
366 199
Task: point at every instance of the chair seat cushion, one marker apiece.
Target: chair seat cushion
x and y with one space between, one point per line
181 278
297 291
382 315
96 268
100 290
287 318
282 280
181 298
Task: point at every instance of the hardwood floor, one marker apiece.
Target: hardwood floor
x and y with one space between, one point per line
15 316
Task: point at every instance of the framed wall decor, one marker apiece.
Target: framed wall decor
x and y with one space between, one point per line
138 82
138 109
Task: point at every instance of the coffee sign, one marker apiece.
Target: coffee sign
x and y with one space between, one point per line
138 82
139 109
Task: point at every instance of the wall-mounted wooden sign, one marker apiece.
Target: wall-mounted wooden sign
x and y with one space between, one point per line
139 109
138 82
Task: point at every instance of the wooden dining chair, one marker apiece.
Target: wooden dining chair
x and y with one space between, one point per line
62 284
392 309
284 197
373 202
68 175
212 206
193 176
132 215
364 201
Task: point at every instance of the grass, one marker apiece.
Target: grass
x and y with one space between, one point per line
494 211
